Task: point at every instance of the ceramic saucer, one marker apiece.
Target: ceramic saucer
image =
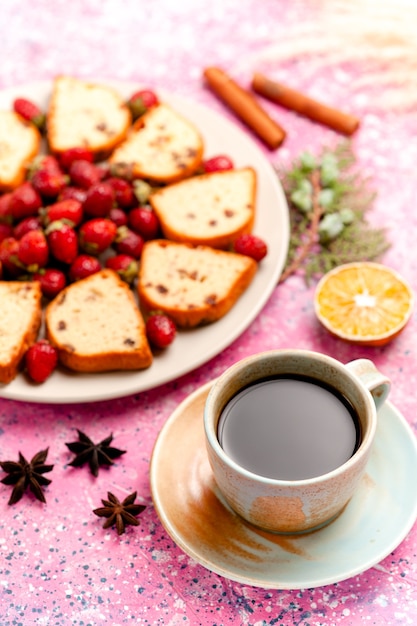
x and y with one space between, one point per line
192 511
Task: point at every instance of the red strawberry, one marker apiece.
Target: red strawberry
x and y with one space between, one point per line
145 222
63 241
141 101
126 266
5 213
71 211
84 265
48 183
5 231
97 234
41 360
218 163
8 257
99 200
29 111
33 250
160 330
128 242
73 193
252 246
27 224
118 216
25 201
44 162
52 281
70 155
123 192
84 174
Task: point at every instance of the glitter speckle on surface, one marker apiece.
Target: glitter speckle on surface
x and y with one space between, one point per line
58 567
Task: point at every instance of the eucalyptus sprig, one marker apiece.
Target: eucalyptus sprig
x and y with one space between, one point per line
328 200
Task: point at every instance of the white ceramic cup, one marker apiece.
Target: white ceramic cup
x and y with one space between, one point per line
294 506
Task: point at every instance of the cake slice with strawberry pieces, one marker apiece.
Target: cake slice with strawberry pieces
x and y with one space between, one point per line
162 146
20 142
210 209
20 320
192 285
86 114
96 326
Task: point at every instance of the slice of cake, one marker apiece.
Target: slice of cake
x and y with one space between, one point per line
20 320
210 209
193 285
86 114
162 146
96 326
19 144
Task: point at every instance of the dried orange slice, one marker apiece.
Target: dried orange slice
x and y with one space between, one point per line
364 303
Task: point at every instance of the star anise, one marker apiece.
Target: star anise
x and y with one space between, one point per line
119 513
24 474
95 454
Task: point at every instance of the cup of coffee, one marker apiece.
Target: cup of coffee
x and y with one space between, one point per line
289 434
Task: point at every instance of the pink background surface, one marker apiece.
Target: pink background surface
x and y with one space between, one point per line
57 564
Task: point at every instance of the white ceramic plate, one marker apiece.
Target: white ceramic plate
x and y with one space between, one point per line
193 348
196 517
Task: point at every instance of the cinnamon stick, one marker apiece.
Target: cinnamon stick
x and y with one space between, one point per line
245 106
296 101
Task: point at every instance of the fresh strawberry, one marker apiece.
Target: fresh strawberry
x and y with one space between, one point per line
48 183
41 360
145 222
123 192
25 201
252 246
84 174
70 211
8 257
141 101
27 224
73 193
160 330
70 155
97 234
49 162
84 265
62 241
99 200
29 111
5 212
6 230
44 162
52 281
125 265
218 163
128 242
118 216
33 251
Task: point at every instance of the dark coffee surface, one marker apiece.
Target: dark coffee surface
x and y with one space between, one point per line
289 428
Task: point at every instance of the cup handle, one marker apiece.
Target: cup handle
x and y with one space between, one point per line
377 383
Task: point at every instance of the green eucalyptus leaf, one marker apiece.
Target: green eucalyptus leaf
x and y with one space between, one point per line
329 174
347 216
330 227
302 200
329 160
326 198
307 161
